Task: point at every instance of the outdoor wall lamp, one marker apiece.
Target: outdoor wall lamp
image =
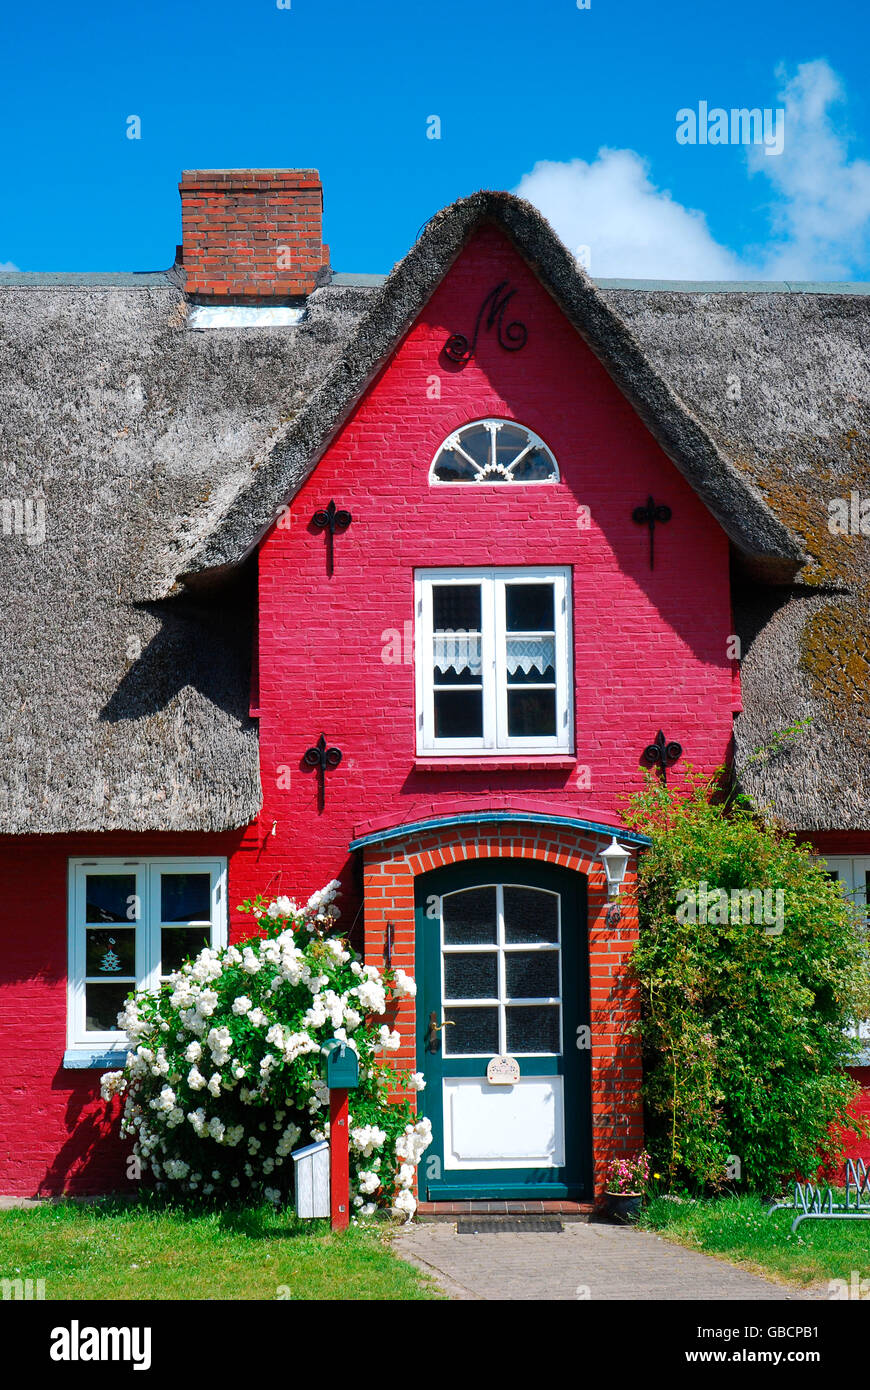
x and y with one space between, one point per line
615 860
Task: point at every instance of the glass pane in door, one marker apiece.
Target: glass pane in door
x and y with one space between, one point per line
470 917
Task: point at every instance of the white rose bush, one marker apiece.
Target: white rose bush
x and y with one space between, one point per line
222 1079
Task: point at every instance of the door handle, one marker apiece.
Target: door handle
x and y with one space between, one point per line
432 1039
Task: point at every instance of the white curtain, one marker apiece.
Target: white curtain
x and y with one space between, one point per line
530 654
459 650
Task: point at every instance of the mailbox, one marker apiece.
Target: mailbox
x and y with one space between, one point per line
339 1065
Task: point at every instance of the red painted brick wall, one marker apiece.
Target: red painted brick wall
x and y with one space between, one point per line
252 233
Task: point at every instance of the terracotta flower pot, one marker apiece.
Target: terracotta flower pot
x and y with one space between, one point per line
624 1206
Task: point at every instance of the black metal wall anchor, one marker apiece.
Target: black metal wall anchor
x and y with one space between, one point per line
661 754
648 516
322 758
330 520
511 336
388 945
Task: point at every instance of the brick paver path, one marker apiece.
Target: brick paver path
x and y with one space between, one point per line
585 1260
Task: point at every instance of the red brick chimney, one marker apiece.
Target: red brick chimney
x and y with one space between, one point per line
252 234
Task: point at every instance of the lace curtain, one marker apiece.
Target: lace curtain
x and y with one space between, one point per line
461 651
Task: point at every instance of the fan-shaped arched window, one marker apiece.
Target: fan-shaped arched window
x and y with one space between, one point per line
494 451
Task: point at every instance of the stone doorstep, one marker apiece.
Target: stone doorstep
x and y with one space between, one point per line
448 1211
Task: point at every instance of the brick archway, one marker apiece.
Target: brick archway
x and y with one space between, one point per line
398 857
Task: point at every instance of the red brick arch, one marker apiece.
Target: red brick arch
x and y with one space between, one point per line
390 868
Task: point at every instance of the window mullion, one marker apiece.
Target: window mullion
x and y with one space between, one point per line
219 933
488 664
499 694
502 970
150 932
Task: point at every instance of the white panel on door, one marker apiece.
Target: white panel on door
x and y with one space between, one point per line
520 1126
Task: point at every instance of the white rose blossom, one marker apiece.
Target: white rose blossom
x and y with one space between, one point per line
112 1083
250 962
403 986
388 1039
404 1204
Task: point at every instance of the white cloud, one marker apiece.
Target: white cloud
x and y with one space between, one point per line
7 265
632 228
819 213
821 219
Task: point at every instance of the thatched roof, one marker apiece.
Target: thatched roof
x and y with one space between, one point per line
162 452
135 432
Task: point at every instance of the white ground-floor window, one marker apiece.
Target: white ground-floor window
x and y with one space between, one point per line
131 923
854 872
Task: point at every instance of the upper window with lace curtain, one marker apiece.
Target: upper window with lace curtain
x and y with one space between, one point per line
494 451
493 660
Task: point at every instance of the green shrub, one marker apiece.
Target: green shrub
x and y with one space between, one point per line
744 1022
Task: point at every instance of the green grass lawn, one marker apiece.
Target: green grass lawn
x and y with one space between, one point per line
737 1229
112 1250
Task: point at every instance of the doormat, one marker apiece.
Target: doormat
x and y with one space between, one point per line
512 1225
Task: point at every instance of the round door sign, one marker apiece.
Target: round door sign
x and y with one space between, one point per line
503 1071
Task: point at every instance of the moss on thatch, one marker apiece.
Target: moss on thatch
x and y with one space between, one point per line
835 652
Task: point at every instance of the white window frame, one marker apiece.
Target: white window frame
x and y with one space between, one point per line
148 927
495 741
851 870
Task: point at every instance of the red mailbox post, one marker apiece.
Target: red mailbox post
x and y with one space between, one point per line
339 1161
341 1074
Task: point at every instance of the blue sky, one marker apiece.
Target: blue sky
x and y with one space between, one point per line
587 99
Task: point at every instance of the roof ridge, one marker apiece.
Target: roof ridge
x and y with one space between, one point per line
859 287
35 279
88 279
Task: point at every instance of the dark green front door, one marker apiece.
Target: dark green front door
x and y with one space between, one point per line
502 972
